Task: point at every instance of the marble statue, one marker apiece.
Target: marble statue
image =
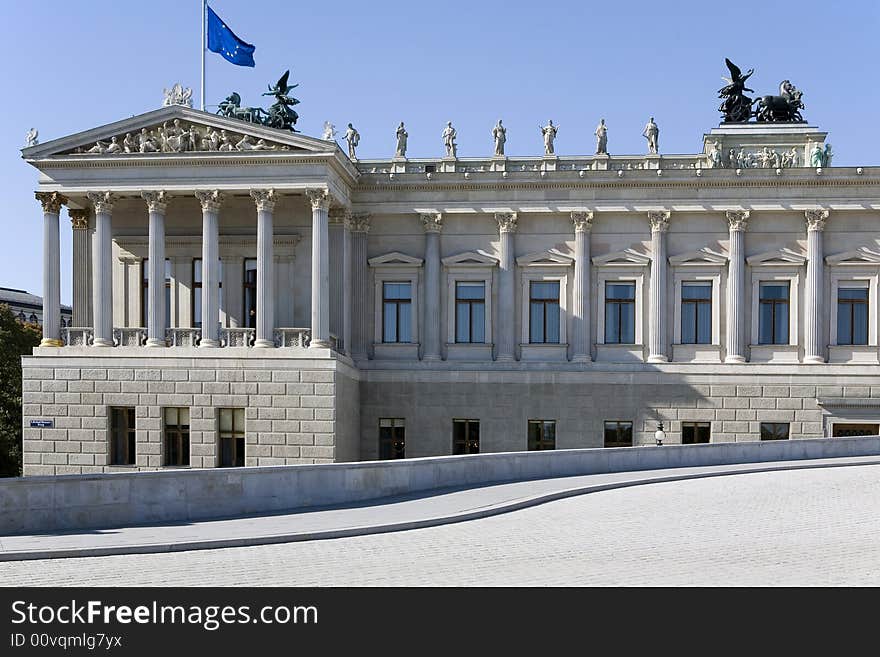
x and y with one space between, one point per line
177 95
146 142
716 157
826 159
817 156
129 144
499 134
30 139
352 137
329 131
651 133
114 146
601 138
449 135
99 147
737 107
226 144
793 157
400 151
549 132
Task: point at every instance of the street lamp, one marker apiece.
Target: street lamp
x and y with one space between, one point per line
659 435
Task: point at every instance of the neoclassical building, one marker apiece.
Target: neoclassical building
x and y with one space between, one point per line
249 296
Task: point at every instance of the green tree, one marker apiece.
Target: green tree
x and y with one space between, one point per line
16 339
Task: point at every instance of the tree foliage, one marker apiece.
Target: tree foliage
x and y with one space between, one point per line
16 339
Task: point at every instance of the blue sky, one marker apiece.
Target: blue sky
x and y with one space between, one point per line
78 65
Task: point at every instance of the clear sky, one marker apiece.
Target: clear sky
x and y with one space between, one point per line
71 66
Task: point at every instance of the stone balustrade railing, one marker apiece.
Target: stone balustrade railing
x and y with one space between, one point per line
183 337
293 337
190 337
129 337
237 337
78 336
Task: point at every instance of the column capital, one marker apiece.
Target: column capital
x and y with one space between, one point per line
51 201
211 200
659 220
79 219
738 219
157 201
319 198
358 222
101 201
582 220
506 222
265 199
337 214
432 221
816 219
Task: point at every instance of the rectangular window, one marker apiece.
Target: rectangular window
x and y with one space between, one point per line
392 438
231 437
249 290
542 435
145 292
470 312
544 312
465 436
197 292
176 436
396 312
696 313
618 434
620 313
774 430
693 433
852 315
122 436
773 313
849 430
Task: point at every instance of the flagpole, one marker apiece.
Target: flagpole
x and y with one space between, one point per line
204 22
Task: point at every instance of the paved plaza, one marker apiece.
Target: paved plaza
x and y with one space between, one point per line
796 527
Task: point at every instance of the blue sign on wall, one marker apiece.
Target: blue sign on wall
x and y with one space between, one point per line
43 424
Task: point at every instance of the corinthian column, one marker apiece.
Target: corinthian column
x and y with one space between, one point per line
506 309
102 271
336 249
813 349
82 265
657 310
265 200
580 307
51 202
156 206
211 202
320 200
433 224
359 225
738 222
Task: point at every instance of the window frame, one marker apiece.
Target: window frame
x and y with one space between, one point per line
544 274
618 303
696 426
246 288
470 303
787 426
776 273
179 432
470 267
538 445
234 435
396 267
773 303
130 442
397 304
619 424
466 441
544 312
394 425
843 276
620 273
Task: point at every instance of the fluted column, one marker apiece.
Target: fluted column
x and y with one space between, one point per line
320 200
657 308
82 266
102 269
265 334
506 323
433 223
580 307
156 206
814 351
346 284
738 222
336 248
51 202
359 226
211 202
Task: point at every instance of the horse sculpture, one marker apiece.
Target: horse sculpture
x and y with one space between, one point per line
231 107
782 108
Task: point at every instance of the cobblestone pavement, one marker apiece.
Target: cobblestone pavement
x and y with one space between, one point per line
803 527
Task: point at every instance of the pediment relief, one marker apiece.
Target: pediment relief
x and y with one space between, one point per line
783 256
544 258
864 255
627 257
395 258
478 257
704 256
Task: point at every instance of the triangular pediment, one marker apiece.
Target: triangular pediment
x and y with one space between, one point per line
704 256
395 258
177 131
864 255
471 258
549 257
627 257
783 256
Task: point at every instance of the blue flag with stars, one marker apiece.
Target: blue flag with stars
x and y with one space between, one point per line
222 40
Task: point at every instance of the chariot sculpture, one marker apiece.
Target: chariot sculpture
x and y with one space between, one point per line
279 115
737 107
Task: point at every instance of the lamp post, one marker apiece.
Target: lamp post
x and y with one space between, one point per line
659 435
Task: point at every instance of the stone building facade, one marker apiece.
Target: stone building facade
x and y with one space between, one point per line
413 307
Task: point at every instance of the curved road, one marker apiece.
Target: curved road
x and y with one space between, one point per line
801 527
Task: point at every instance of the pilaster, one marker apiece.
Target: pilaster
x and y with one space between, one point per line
506 316
657 308
433 224
580 310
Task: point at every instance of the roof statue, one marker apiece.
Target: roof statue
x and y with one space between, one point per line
279 115
31 138
178 95
782 108
737 107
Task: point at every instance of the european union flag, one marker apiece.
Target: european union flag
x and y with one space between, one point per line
222 40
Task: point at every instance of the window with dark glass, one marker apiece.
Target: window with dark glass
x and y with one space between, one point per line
176 436
852 315
848 430
122 436
249 285
618 434
392 438
145 292
470 311
696 313
231 437
695 432
396 312
774 430
465 436
197 291
773 313
544 312
542 435
620 313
